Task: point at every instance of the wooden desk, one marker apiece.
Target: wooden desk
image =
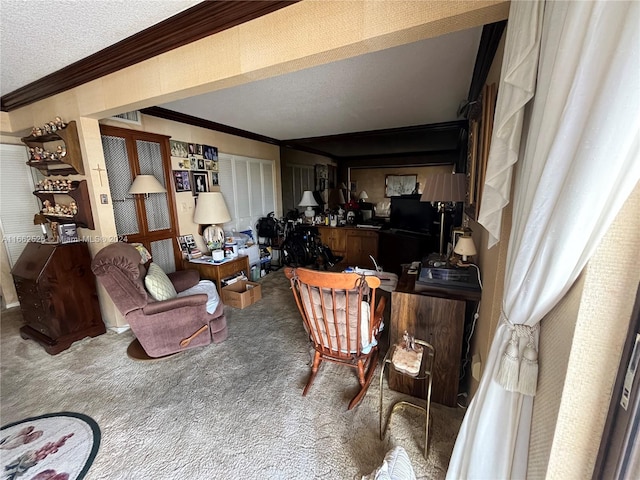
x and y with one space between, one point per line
437 316
216 272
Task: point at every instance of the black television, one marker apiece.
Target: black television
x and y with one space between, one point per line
409 213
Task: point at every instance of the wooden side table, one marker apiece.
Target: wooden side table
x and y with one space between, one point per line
218 271
436 315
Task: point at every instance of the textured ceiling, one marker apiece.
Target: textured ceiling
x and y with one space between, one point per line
39 37
414 84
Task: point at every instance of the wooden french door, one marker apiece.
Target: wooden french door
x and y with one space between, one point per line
151 221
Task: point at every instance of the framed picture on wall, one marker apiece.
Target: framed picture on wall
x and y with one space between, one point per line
214 178
396 185
179 149
200 182
209 152
182 181
480 130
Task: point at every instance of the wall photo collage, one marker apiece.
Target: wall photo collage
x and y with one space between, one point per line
199 167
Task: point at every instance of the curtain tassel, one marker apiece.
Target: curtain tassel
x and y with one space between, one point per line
528 382
509 372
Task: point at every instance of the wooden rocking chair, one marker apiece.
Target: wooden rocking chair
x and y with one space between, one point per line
340 318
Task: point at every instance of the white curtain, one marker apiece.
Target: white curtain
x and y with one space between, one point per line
517 86
579 163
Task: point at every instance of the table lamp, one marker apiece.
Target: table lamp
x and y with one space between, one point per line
308 201
465 247
444 188
146 184
363 196
211 210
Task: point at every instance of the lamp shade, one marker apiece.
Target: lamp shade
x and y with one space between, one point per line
211 209
146 184
363 195
445 187
465 247
341 200
308 200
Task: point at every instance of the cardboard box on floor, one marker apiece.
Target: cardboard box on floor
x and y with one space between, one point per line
241 294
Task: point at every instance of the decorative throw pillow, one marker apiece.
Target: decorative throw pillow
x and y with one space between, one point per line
158 284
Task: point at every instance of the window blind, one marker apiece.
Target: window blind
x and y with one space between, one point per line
19 205
247 185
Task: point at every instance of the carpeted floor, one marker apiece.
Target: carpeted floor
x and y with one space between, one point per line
232 410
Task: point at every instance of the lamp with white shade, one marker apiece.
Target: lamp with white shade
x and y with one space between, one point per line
465 247
211 210
363 196
308 201
445 189
146 184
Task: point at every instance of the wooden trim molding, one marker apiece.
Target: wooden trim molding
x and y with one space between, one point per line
201 122
199 21
491 35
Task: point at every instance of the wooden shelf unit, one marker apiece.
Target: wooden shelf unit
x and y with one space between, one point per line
80 194
71 163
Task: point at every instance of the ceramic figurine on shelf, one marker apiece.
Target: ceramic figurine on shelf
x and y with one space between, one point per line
52 126
55 237
59 123
47 128
74 208
61 151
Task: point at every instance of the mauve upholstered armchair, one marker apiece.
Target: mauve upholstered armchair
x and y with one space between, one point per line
161 327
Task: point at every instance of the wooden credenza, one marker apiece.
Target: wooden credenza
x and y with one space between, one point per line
435 315
57 293
352 243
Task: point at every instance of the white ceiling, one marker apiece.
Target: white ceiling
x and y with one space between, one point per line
413 84
39 37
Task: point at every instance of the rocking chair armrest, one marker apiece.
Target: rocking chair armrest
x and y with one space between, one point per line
154 308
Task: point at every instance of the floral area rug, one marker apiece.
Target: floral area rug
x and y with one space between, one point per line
55 446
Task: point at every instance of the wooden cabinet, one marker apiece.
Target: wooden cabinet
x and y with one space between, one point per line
360 244
80 194
335 239
57 293
70 163
353 244
437 316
